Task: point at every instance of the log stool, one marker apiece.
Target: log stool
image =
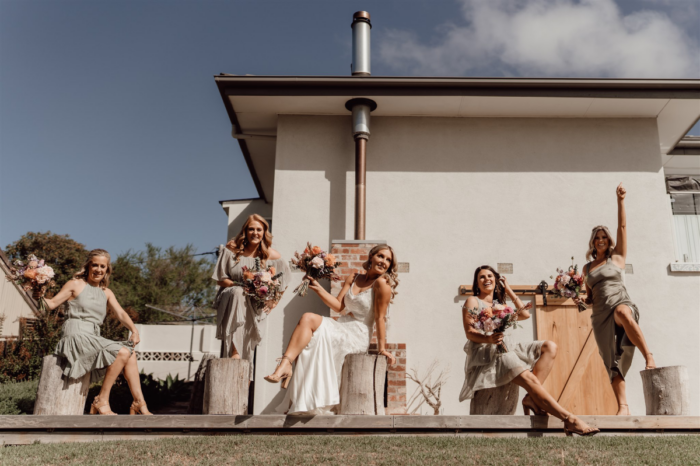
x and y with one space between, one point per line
59 395
362 384
226 386
666 391
501 400
197 397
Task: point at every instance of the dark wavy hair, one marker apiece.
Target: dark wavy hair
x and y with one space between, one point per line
499 293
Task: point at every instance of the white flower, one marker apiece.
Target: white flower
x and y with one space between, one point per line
316 263
265 277
44 274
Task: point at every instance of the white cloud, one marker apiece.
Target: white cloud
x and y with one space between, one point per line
586 38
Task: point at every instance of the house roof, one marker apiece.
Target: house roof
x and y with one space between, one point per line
254 102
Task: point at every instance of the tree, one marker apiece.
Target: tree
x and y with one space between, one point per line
173 279
65 255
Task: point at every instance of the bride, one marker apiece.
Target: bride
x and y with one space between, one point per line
321 343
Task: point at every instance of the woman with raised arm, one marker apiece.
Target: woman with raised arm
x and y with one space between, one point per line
526 365
321 343
614 316
82 349
238 318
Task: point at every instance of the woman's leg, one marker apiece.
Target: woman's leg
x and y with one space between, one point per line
234 352
301 337
618 386
113 372
624 318
131 374
534 388
544 364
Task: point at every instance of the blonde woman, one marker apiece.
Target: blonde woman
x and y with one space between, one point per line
321 343
82 349
614 316
526 365
237 317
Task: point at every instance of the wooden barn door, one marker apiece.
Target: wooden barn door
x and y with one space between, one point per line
578 380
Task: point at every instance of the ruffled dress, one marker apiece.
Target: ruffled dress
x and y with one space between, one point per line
81 348
486 368
238 321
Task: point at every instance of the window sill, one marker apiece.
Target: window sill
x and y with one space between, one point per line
685 267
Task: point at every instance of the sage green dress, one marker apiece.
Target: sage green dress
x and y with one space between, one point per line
608 286
81 347
238 320
485 367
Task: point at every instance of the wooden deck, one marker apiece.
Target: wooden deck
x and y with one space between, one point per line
45 429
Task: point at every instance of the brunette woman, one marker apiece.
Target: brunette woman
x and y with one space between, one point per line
614 316
527 365
321 343
238 319
82 349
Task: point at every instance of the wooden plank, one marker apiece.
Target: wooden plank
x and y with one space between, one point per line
337 422
429 422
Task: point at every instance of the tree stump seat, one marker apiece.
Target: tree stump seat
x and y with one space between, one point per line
501 400
59 395
362 384
666 391
226 386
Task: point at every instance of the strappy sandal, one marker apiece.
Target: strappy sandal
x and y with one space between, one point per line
528 405
583 433
101 407
647 364
284 378
139 408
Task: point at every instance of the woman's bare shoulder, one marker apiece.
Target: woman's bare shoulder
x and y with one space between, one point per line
471 303
351 278
274 255
381 284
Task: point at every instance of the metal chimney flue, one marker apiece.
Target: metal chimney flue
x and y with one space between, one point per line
361 27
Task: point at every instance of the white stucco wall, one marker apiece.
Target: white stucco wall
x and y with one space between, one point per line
12 307
450 194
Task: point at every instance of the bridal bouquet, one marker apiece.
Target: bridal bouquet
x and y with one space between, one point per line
261 284
495 319
34 276
568 284
317 264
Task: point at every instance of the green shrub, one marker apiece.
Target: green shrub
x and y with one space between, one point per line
18 397
157 393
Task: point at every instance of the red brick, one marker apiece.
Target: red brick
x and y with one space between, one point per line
397 368
400 383
359 251
357 264
397 398
401 361
396 375
402 345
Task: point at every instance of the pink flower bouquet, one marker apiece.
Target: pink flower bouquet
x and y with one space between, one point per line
496 319
568 284
261 284
317 263
34 276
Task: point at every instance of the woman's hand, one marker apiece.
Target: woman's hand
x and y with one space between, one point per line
135 338
315 285
504 282
391 360
621 192
269 306
494 338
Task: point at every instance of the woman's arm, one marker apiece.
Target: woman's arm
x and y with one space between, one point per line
337 304
122 316
468 321
68 291
621 246
382 298
522 311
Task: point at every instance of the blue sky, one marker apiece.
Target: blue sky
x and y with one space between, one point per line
112 129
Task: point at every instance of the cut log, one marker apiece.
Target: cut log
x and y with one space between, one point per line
666 391
197 397
59 395
501 400
226 386
362 384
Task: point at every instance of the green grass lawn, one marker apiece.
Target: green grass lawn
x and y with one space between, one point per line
364 451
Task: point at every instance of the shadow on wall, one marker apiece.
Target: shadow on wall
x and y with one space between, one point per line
424 144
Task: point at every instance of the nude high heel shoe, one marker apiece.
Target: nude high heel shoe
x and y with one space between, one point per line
528 405
582 432
285 378
101 407
139 408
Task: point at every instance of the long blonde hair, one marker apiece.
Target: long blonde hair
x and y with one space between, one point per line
592 253
85 270
237 245
391 275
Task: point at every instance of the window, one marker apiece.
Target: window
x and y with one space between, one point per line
685 204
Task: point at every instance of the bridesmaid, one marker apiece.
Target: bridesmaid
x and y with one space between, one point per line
321 343
82 349
527 365
237 317
614 316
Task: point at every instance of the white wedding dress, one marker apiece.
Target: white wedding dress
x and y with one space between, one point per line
315 385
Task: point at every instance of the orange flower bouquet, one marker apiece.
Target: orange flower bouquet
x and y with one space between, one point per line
317 263
34 276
